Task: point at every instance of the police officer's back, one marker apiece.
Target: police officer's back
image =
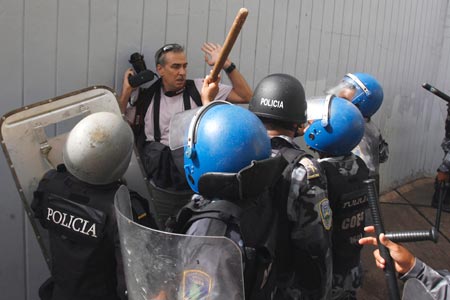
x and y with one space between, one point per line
75 204
334 136
366 93
304 258
227 164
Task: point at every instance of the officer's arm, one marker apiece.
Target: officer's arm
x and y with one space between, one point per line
437 284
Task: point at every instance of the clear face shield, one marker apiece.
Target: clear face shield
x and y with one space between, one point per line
350 88
183 126
319 109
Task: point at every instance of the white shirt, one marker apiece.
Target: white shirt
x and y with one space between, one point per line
169 106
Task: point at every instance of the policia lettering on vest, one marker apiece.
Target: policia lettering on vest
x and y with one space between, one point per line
75 203
72 222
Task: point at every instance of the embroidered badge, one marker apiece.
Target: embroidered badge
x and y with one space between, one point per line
196 285
311 170
326 214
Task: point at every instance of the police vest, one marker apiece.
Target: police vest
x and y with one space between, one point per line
304 245
84 242
348 197
254 218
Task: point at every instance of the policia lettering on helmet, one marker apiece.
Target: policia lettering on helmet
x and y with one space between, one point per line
364 91
333 135
75 203
304 258
150 115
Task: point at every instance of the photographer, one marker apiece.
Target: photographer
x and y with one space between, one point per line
172 93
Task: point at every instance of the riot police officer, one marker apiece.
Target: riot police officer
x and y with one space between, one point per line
304 235
366 93
75 204
338 128
227 164
443 171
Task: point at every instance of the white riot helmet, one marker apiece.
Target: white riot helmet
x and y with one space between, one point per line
98 149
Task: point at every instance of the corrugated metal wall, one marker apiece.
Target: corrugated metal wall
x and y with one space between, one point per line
51 47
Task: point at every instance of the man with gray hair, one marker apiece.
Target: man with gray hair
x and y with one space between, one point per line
170 94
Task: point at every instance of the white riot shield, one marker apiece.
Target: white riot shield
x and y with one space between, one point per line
33 136
162 265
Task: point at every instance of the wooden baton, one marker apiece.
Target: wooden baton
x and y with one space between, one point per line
229 42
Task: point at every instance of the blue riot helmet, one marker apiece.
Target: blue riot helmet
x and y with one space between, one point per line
363 90
339 128
223 138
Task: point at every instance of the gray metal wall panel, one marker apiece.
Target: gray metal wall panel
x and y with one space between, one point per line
52 47
247 54
102 42
12 221
196 34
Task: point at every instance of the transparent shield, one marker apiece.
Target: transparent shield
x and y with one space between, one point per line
179 126
33 137
175 266
315 108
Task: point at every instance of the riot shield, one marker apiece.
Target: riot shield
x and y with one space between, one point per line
33 137
163 265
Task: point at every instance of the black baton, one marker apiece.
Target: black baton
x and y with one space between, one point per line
389 270
437 92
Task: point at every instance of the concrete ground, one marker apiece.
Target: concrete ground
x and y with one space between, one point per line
407 208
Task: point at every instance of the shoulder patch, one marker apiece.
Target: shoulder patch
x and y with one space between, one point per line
325 213
311 170
196 284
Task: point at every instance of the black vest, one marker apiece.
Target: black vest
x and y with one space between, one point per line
84 243
252 217
153 93
161 164
348 197
304 245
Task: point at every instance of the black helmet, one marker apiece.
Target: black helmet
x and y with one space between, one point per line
280 97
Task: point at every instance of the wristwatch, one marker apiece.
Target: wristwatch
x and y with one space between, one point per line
230 68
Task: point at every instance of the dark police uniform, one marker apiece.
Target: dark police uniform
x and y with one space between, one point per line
348 198
304 237
241 207
444 167
86 261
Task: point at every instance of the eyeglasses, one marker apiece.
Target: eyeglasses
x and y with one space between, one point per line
166 48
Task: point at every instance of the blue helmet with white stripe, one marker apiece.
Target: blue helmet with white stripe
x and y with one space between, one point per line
339 128
363 90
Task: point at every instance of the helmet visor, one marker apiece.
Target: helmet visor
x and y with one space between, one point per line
183 125
179 126
350 88
316 108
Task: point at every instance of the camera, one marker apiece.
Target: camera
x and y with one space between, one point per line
143 75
